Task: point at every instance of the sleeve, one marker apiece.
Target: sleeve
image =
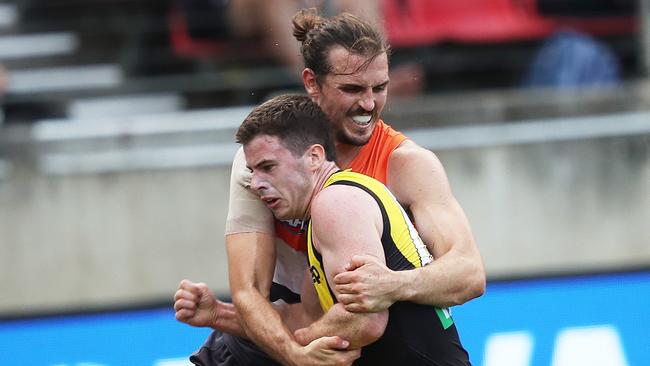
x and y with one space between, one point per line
246 212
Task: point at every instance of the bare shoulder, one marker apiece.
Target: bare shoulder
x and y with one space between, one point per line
410 155
340 200
411 161
345 221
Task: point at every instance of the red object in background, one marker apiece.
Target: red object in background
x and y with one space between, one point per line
411 23
183 44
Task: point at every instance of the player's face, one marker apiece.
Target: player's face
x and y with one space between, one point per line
353 96
281 179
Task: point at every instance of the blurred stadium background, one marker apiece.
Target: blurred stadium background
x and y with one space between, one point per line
117 137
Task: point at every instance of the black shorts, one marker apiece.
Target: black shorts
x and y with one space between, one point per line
223 349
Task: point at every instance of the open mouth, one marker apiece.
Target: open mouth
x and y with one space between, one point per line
362 120
270 201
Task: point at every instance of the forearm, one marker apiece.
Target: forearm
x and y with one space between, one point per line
359 329
449 280
457 274
294 316
226 319
264 326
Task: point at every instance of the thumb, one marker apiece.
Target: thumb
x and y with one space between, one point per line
201 289
301 336
335 342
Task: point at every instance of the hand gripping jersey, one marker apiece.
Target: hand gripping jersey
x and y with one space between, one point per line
416 334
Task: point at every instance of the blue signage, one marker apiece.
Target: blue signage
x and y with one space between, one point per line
569 321
129 338
583 320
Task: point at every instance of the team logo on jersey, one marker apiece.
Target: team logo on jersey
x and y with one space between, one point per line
296 225
315 275
293 232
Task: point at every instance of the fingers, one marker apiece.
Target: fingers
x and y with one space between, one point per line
186 295
347 288
357 261
185 301
184 314
196 288
301 336
356 307
353 303
334 342
346 299
343 355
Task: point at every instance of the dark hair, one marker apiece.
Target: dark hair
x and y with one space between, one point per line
295 119
319 35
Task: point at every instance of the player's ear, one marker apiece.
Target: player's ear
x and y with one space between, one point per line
310 83
316 155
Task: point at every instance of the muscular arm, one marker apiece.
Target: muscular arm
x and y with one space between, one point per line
346 221
418 180
251 259
250 244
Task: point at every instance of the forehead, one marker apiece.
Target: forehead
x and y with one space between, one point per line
349 67
264 147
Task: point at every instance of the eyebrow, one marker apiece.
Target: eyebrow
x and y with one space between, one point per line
355 85
382 84
265 161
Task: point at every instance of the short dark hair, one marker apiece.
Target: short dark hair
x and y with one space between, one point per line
318 35
295 119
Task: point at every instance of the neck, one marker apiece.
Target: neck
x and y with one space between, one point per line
320 177
346 153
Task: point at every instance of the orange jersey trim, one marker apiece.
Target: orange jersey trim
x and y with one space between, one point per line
372 160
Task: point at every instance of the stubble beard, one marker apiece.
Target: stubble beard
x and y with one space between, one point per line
343 138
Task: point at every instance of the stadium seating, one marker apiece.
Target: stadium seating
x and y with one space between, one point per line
60 52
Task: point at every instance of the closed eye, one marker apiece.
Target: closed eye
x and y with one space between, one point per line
353 89
267 167
379 88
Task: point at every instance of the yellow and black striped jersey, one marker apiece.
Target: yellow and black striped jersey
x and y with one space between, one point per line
415 334
401 243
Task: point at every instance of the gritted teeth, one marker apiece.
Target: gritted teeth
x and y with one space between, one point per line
362 119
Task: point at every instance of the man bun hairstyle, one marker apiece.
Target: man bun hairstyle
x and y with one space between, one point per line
304 21
318 35
295 119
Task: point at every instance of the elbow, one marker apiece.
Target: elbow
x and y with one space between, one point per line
471 287
480 282
478 286
475 286
242 297
372 329
238 300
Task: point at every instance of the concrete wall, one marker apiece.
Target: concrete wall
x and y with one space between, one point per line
89 239
71 241
570 206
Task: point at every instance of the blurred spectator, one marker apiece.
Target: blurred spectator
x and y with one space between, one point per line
270 22
573 59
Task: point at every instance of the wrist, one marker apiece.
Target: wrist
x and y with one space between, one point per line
405 285
215 316
294 356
